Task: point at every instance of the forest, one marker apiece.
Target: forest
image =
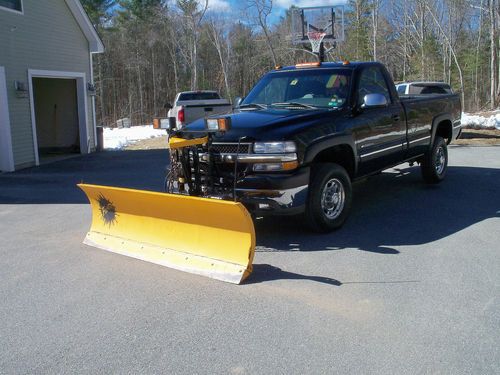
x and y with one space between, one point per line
156 48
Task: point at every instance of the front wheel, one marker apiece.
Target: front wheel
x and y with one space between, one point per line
435 162
329 200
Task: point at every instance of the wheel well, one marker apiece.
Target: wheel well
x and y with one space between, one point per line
445 130
341 155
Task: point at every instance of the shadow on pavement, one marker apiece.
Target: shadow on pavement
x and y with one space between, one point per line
390 210
265 272
56 182
395 209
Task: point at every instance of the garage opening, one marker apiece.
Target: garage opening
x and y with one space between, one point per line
56 117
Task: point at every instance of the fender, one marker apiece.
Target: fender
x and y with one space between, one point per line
324 143
436 121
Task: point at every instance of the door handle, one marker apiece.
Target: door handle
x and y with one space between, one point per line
395 118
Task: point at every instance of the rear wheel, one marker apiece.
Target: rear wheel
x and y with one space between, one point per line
329 200
435 162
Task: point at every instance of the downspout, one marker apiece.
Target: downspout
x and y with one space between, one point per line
94 125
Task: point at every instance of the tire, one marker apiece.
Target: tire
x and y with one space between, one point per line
329 200
435 162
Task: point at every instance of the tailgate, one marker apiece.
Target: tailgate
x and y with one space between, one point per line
197 109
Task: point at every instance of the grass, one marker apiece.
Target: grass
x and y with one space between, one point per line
479 137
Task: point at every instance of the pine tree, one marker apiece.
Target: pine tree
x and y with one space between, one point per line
98 11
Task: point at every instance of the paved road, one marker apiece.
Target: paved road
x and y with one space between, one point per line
410 285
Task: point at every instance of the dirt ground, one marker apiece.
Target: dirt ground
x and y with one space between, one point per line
474 137
149 144
479 137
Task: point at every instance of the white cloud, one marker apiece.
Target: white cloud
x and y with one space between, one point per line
309 3
218 5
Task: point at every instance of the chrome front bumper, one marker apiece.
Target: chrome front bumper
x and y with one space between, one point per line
276 194
274 202
253 158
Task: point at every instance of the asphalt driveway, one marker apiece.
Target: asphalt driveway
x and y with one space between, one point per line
411 284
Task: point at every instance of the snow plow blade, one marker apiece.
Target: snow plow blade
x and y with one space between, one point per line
209 237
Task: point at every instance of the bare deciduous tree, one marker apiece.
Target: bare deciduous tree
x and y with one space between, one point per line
156 48
260 11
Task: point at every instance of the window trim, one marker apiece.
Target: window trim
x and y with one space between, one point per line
82 106
14 10
391 98
6 152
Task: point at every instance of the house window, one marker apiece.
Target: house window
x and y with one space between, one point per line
15 5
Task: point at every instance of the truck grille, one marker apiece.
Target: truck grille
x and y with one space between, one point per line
232 148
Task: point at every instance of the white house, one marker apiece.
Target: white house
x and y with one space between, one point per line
46 81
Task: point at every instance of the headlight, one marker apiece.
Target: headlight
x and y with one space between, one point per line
212 124
222 124
274 147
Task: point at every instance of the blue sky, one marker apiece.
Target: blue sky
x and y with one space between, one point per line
279 6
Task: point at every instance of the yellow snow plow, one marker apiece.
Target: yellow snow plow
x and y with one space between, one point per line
196 226
210 237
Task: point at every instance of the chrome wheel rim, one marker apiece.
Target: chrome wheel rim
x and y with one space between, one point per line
440 160
333 198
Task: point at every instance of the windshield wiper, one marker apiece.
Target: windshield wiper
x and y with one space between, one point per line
253 105
293 104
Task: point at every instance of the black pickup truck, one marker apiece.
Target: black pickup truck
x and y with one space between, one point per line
295 143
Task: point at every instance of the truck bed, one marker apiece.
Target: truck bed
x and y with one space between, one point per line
421 110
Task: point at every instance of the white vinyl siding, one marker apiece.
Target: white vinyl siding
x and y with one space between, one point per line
45 37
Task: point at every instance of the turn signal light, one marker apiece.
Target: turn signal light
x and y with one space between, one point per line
156 123
276 167
289 165
224 124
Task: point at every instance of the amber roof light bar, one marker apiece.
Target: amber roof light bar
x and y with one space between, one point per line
308 65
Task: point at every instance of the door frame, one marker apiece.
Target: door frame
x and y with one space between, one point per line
6 152
81 102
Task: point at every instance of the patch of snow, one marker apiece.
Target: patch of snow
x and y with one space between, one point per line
117 139
477 121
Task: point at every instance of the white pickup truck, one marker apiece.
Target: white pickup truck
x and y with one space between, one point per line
192 105
421 88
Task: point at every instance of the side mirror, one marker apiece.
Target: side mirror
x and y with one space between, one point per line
167 106
374 101
237 101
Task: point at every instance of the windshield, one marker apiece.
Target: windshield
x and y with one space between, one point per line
323 88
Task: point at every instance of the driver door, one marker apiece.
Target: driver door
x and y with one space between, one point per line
379 132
